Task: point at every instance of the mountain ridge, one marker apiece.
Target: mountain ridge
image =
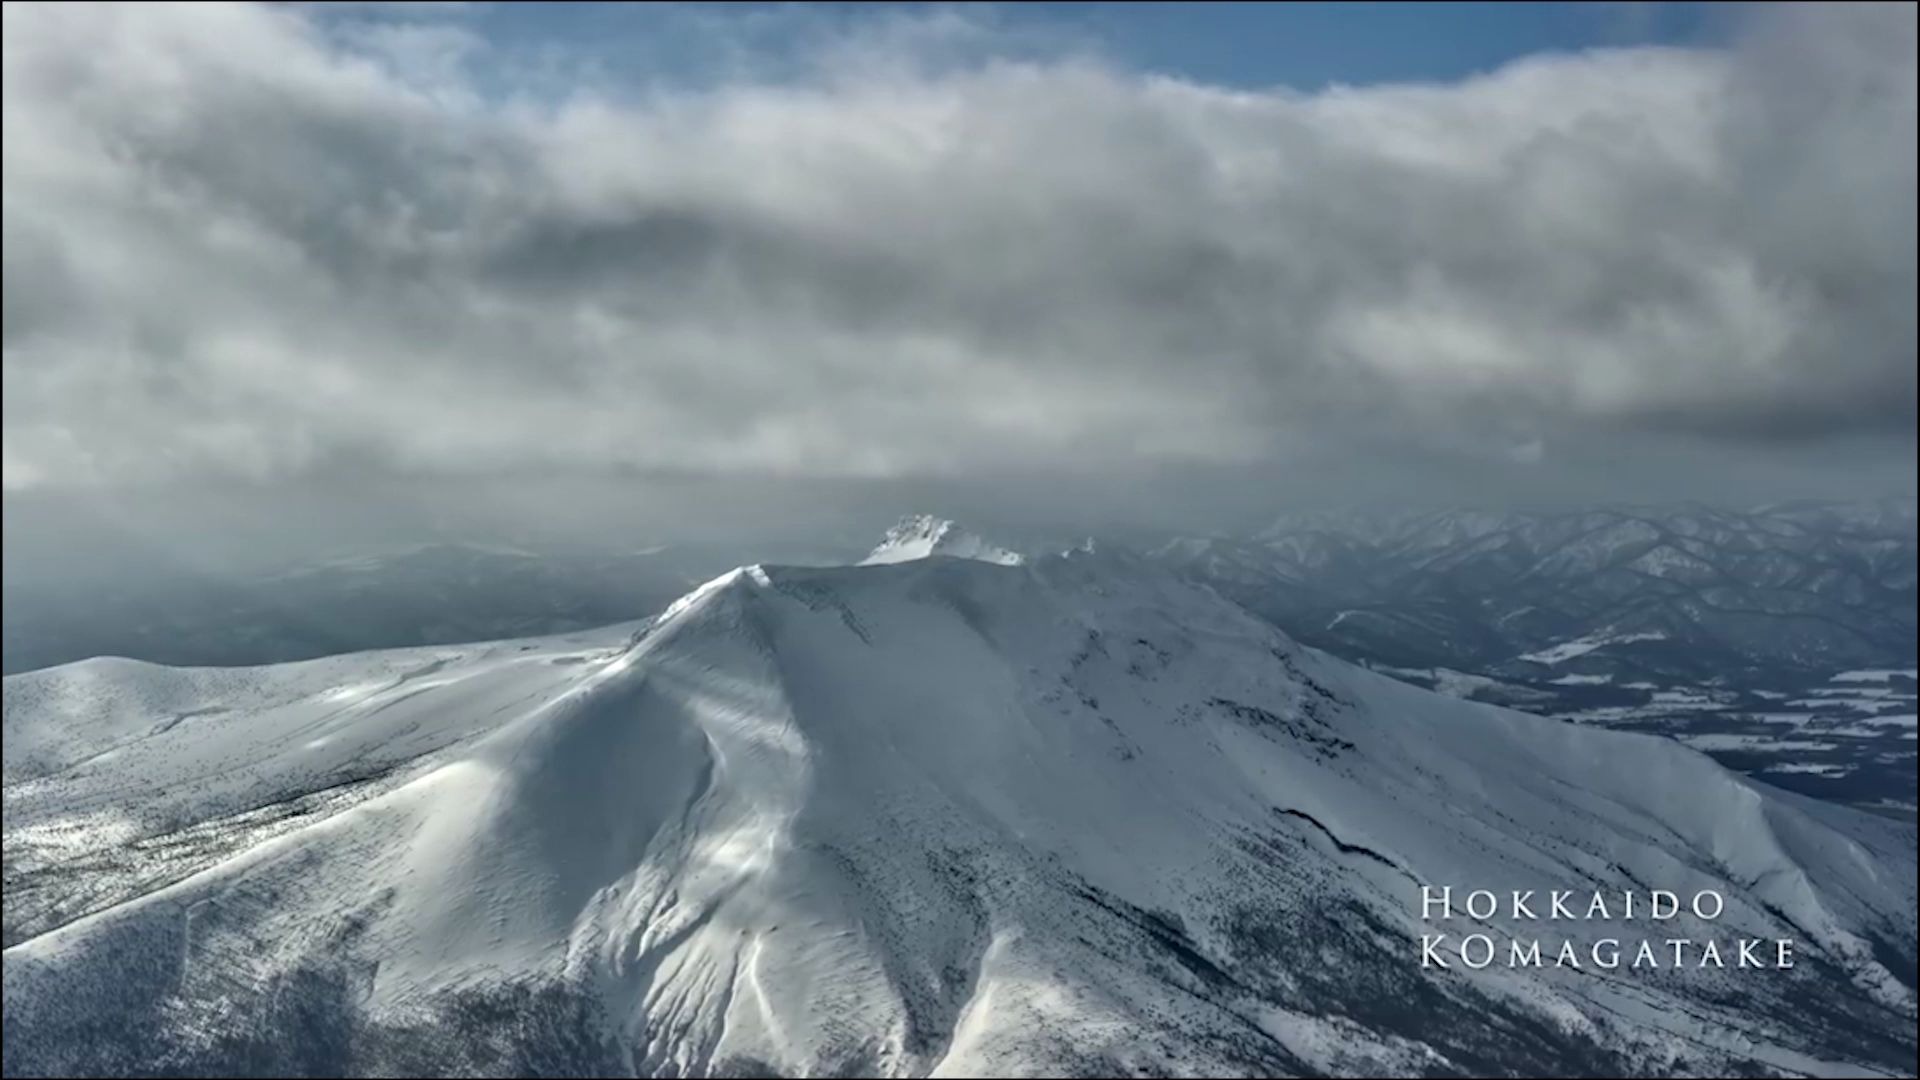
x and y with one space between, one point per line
918 536
1812 587
929 817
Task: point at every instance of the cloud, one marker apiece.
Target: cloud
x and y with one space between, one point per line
243 241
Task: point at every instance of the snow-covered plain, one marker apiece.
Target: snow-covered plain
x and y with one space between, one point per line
929 816
1877 675
1567 650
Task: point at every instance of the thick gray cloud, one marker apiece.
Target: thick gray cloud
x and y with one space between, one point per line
242 243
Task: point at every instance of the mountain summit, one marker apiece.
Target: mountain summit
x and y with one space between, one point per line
1068 817
919 536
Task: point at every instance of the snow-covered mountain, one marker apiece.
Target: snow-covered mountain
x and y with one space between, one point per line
919 536
1727 628
937 816
1699 592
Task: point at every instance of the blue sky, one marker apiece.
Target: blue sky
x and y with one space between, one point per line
1304 46
1310 45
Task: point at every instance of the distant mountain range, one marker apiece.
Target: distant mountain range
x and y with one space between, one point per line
1780 639
1670 594
376 598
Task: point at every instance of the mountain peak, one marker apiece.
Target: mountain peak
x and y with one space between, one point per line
808 807
918 536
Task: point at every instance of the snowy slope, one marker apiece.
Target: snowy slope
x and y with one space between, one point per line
934 816
921 536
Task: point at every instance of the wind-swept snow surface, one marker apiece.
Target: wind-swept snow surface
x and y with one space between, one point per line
940 816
